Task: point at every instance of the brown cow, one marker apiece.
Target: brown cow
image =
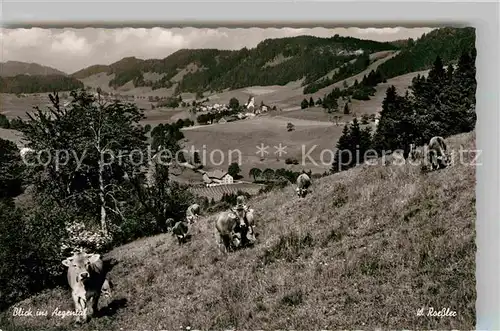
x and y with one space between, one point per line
437 153
180 231
303 183
230 234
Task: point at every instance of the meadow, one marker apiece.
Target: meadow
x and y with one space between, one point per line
348 256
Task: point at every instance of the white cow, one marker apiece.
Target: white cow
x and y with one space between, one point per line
87 280
192 213
303 183
437 153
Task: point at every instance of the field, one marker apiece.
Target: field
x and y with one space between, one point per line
348 256
313 127
13 106
238 141
12 135
216 192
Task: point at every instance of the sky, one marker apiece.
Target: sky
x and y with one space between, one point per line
70 50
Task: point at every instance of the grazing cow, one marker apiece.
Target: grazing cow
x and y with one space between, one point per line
87 280
192 213
180 230
241 210
303 183
230 235
170 222
437 153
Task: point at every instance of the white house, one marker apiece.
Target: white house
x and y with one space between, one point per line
217 177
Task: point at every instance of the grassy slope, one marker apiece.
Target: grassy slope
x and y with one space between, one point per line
366 249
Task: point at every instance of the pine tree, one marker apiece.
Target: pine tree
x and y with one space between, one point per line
449 73
355 143
304 104
385 137
437 73
352 147
343 144
311 102
346 109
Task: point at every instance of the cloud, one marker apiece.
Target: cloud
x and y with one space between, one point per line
70 50
22 38
379 31
69 43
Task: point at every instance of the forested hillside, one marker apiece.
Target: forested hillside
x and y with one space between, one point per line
281 61
449 44
441 104
417 55
272 62
38 84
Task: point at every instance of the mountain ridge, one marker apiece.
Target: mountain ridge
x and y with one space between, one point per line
273 62
220 69
15 68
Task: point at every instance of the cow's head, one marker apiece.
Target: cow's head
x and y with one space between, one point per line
444 159
80 263
301 192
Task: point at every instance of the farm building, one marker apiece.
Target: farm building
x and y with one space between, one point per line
217 177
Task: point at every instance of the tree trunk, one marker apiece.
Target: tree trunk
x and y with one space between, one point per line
104 227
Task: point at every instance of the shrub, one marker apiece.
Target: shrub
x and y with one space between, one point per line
29 250
291 161
365 119
80 238
4 122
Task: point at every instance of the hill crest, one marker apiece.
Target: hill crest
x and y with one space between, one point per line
14 68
